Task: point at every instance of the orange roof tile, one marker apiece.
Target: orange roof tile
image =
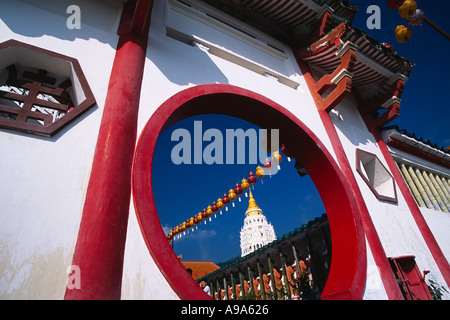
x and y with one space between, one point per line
200 268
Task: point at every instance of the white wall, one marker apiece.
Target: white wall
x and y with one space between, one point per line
43 180
173 66
393 222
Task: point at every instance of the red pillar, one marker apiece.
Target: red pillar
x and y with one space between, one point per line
100 245
369 231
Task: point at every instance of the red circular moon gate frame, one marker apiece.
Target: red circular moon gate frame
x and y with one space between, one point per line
347 276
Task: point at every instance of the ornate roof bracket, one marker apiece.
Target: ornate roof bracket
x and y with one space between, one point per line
340 79
389 101
390 114
394 93
322 29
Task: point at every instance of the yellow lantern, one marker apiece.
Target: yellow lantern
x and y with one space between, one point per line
276 155
219 204
209 211
231 195
183 226
407 9
402 34
244 184
260 172
199 216
191 221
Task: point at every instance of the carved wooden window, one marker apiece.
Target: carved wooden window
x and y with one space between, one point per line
40 91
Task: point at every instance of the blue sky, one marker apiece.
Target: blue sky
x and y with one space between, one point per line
425 106
181 191
287 200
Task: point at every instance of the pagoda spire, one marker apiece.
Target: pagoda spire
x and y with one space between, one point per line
253 208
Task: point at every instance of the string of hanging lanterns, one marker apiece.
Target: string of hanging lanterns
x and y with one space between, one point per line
233 194
408 9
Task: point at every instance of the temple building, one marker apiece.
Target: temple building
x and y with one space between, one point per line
256 231
87 90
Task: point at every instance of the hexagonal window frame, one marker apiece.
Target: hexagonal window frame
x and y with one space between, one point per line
376 176
41 91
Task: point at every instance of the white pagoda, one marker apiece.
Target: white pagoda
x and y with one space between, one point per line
256 231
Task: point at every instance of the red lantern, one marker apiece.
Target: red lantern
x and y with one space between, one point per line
204 214
237 189
214 207
391 47
195 220
225 199
251 178
395 4
267 165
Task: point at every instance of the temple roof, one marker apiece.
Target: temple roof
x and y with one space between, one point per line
200 268
286 238
287 20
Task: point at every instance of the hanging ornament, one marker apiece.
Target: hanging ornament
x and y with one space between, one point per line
232 194
209 211
402 34
204 214
276 158
183 226
238 190
214 207
407 9
245 185
191 221
267 165
391 47
251 178
220 204
260 172
395 4
195 220
225 199
416 18
199 217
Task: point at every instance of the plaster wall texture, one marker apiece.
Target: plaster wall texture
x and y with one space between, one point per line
44 180
233 58
393 222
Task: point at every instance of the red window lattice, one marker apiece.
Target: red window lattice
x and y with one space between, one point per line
35 100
